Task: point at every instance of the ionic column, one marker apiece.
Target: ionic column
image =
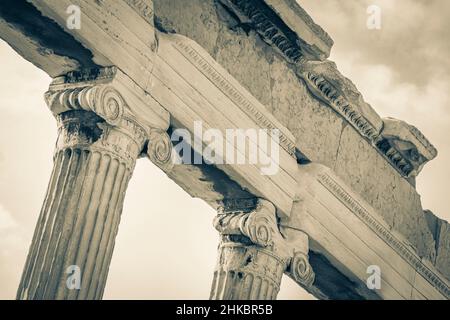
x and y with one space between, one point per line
96 150
253 255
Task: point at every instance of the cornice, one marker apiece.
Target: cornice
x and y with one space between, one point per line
327 92
402 145
423 140
280 23
286 26
384 233
284 40
306 18
405 146
394 157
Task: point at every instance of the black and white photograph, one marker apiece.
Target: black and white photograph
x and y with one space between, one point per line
218 150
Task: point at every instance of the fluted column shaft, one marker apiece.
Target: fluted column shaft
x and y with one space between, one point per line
240 276
93 162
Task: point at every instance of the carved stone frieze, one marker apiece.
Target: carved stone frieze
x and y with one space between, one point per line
403 145
328 85
384 233
284 40
84 75
241 204
307 42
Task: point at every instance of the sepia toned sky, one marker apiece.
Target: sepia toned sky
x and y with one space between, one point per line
166 247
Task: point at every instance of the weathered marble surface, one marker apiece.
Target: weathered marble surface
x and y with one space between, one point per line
440 230
322 135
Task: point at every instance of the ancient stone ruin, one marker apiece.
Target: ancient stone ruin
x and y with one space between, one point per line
342 200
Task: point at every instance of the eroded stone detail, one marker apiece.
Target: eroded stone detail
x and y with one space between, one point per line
327 84
235 205
160 149
95 74
384 233
306 18
253 255
108 104
405 146
287 44
301 269
103 100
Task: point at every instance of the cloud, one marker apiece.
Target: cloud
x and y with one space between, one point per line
7 222
12 235
13 244
413 40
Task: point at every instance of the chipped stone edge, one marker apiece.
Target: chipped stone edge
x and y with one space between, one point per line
268 30
325 91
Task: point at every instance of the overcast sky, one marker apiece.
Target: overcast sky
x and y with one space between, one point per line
166 247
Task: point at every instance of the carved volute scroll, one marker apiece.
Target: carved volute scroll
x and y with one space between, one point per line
253 255
401 144
160 150
103 100
301 270
93 118
106 94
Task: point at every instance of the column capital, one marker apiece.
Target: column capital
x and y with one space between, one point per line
254 254
114 110
109 93
259 227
